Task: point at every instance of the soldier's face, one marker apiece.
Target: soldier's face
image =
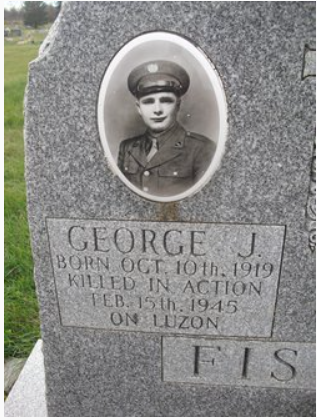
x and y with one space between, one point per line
158 110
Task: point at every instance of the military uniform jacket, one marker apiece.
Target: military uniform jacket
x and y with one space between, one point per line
181 160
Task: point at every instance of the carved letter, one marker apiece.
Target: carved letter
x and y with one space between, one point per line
289 366
180 251
146 240
116 241
98 239
245 362
70 239
252 248
198 360
193 243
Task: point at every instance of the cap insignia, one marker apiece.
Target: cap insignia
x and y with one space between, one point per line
152 68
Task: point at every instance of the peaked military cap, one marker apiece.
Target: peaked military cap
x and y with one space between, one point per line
158 76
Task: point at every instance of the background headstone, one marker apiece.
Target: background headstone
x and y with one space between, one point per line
12 369
263 182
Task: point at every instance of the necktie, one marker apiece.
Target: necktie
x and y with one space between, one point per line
153 150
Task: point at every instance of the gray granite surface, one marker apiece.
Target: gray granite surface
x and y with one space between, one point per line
263 179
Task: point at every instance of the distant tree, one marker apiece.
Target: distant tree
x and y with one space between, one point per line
53 10
13 15
35 13
51 13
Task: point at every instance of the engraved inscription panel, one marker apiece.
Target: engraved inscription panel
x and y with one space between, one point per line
239 363
181 278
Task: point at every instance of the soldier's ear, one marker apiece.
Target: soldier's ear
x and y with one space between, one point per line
137 104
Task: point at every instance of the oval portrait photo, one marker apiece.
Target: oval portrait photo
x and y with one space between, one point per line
162 116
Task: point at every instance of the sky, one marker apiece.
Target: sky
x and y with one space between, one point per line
9 4
16 4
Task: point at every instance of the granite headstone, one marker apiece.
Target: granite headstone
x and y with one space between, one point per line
199 302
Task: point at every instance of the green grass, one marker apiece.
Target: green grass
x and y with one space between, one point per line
21 329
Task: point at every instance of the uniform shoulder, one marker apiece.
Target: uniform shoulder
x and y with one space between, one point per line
132 140
203 140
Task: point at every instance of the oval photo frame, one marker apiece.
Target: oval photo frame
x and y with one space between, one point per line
188 152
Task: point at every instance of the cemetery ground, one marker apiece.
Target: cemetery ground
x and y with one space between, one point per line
21 329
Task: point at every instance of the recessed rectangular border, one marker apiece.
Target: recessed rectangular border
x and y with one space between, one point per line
298 373
47 219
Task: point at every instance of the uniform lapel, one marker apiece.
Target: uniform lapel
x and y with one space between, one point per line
138 151
171 144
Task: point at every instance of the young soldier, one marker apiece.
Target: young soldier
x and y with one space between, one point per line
165 160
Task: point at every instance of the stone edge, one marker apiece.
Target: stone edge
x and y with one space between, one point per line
27 397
